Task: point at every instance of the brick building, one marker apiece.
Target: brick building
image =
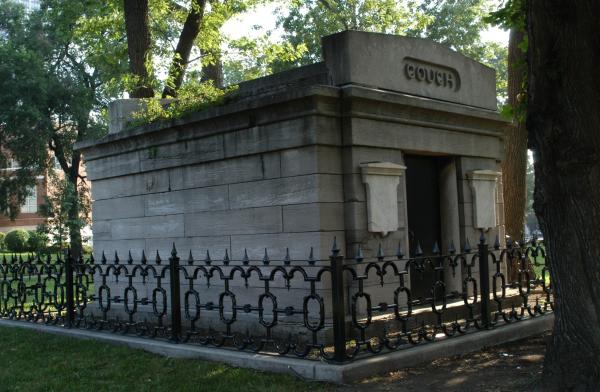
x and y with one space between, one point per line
29 217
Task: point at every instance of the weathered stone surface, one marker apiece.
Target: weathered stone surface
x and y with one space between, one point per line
468 164
227 171
370 242
311 160
182 153
381 180
356 155
120 112
186 201
299 245
423 139
101 230
313 217
287 190
271 165
483 187
114 166
216 245
120 246
148 227
385 61
243 221
136 184
354 189
118 208
284 134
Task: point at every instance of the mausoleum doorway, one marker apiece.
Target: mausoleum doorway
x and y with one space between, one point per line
431 203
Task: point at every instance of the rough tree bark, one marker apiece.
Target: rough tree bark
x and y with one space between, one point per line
190 31
563 121
214 72
75 232
138 45
514 166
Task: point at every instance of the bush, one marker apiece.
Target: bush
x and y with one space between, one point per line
37 241
87 249
2 235
16 240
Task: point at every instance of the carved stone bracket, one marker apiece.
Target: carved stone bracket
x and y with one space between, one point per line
483 187
381 180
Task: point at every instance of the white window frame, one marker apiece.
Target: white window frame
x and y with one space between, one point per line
30 205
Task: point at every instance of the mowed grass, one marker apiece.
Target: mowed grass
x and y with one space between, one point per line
35 361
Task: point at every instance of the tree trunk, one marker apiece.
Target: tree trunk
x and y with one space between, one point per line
138 46
214 71
73 213
563 121
514 166
190 31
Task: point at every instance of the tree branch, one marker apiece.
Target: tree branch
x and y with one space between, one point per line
190 31
335 12
138 45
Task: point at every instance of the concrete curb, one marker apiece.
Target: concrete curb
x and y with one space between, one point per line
315 370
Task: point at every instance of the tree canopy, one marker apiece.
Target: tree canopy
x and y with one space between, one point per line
455 24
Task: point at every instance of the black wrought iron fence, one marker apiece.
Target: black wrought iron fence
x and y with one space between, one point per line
336 309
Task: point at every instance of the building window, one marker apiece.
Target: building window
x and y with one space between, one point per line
30 5
13 164
30 205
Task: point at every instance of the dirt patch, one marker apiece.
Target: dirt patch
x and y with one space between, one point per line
513 366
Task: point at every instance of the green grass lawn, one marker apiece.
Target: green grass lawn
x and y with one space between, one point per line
25 255
33 361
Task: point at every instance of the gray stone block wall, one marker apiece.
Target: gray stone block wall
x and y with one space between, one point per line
220 217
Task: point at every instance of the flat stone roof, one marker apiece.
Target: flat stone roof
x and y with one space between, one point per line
395 63
393 69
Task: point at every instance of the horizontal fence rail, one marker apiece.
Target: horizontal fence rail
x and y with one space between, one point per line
337 309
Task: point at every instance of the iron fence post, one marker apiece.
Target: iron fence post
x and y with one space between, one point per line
175 297
69 260
338 305
484 278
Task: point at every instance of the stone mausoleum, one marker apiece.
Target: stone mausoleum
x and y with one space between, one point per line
389 140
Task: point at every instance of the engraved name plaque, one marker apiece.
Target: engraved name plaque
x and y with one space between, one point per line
433 74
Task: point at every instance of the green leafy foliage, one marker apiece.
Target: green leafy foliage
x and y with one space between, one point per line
456 24
52 92
2 236
192 98
16 240
255 58
305 22
56 209
37 241
511 15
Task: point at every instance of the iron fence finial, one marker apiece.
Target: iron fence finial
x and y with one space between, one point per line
335 250
266 259
400 251
359 254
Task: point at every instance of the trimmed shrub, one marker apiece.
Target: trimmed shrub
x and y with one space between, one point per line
16 240
37 241
2 235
